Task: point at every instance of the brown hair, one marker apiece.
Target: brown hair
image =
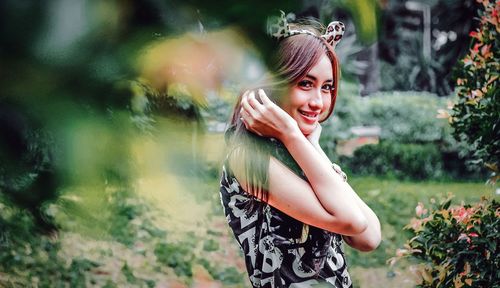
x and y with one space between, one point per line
292 60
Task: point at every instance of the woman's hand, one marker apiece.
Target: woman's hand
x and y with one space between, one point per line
314 136
266 119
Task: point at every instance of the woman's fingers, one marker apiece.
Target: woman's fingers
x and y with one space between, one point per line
246 105
252 105
244 118
315 135
244 115
248 121
258 117
256 105
263 97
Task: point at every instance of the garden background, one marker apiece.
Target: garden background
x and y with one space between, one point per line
111 138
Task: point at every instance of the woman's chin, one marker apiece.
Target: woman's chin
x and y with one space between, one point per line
306 129
306 125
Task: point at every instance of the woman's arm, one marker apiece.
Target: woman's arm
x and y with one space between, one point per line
293 196
369 239
326 201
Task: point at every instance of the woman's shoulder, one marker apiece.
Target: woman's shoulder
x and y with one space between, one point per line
229 184
245 148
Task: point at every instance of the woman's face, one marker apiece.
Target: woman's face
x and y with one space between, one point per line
310 97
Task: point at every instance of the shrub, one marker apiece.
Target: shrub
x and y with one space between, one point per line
456 246
476 115
409 122
412 161
408 117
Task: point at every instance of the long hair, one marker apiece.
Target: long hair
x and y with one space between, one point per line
292 60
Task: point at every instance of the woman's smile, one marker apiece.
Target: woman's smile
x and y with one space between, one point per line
310 116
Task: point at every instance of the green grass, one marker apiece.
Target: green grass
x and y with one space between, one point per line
394 203
422 190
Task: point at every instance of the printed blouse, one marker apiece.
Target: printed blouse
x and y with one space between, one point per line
275 250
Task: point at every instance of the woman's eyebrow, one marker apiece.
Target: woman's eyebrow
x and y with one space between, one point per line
311 77
315 79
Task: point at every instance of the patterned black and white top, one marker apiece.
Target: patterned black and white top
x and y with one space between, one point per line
276 254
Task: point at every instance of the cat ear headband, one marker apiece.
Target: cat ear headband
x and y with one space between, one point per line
278 27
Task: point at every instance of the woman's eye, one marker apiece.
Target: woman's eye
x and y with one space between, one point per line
305 84
327 87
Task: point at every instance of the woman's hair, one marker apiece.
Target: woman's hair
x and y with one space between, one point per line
292 60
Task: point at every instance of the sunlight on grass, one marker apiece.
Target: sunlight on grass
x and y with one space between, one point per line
166 177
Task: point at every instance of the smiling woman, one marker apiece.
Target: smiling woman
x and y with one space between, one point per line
311 96
288 206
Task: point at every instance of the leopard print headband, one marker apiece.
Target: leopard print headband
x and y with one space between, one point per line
278 27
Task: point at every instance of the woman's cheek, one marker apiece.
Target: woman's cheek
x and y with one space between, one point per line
327 101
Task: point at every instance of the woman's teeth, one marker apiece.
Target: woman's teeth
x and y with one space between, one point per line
308 114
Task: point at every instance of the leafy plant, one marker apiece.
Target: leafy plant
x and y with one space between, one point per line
409 126
411 161
476 115
456 246
407 117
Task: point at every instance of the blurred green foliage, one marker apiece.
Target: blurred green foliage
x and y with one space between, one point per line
180 257
79 126
364 14
407 117
30 260
388 52
72 126
136 252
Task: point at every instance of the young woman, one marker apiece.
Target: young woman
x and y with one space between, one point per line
289 206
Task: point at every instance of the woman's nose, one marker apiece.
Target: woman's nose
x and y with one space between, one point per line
316 100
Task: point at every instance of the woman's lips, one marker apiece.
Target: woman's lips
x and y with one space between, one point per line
309 116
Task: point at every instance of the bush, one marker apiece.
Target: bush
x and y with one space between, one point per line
456 246
409 125
411 161
407 117
476 115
